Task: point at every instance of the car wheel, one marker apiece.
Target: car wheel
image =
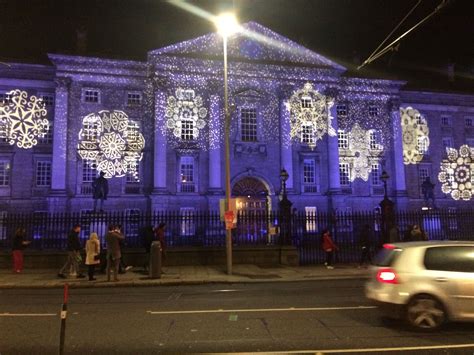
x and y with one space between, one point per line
425 313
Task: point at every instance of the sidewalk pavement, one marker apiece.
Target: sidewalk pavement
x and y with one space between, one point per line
183 275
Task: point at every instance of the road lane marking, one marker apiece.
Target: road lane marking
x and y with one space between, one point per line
291 309
28 314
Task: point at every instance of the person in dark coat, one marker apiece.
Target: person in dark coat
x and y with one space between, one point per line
113 238
160 236
147 236
100 190
365 245
19 243
74 258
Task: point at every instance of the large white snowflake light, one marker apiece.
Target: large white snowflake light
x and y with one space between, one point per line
22 119
457 173
111 142
310 115
360 155
415 133
185 114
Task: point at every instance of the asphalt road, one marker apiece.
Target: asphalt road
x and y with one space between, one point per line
327 316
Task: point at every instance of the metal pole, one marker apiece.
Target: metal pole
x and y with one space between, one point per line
228 232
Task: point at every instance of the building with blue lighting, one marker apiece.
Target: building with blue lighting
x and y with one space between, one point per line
291 108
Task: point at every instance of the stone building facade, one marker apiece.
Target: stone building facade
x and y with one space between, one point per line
291 109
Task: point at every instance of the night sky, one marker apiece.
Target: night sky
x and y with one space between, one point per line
340 29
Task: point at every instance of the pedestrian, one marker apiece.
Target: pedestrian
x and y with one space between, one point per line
417 235
365 245
114 254
123 268
19 243
329 248
92 255
393 236
407 237
160 236
74 258
147 236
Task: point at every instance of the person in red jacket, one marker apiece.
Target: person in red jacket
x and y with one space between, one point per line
329 247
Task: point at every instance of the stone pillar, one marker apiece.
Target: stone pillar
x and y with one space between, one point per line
216 119
160 148
58 198
334 182
286 150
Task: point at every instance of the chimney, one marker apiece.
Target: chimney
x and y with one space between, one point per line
81 40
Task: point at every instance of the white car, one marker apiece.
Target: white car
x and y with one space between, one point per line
425 283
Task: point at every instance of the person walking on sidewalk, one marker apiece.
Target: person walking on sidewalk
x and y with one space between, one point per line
113 238
365 245
92 255
74 258
160 236
329 247
19 243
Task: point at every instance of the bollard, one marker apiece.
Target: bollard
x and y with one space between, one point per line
155 260
62 334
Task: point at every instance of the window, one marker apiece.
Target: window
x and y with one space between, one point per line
446 121
134 98
4 128
186 174
342 139
4 172
187 129
310 217
376 174
90 95
188 226
468 121
448 142
309 176
89 171
43 173
4 98
48 99
344 174
48 137
452 258
375 140
306 102
307 134
373 111
133 177
423 173
248 124
90 131
341 110
422 145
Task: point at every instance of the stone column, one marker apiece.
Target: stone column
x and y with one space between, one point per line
216 119
286 150
160 148
334 183
398 166
57 200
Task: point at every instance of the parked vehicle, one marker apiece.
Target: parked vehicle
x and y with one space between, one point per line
425 283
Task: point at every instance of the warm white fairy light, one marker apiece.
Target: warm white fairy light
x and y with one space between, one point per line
111 142
457 173
415 133
310 112
22 119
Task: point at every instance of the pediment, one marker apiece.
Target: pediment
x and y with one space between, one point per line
250 94
255 43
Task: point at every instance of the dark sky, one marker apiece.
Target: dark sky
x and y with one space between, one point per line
339 29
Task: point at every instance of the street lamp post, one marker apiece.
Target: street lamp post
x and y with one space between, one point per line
387 209
227 25
285 210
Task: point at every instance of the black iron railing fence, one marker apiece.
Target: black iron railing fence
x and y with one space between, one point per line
206 229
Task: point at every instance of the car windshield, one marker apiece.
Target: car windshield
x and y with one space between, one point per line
387 256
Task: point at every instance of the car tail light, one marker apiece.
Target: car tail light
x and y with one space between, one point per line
387 276
389 246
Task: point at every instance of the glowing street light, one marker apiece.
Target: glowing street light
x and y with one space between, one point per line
226 26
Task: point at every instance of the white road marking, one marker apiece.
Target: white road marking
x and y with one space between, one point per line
330 351
28 314
291 309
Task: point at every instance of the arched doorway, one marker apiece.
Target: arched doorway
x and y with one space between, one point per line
252 200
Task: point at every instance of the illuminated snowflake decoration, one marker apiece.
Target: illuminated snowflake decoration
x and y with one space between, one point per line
112 143
310 112
415 133
360 156
185 114
457 173
22 119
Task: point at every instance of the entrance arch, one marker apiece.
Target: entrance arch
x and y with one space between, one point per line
251 194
